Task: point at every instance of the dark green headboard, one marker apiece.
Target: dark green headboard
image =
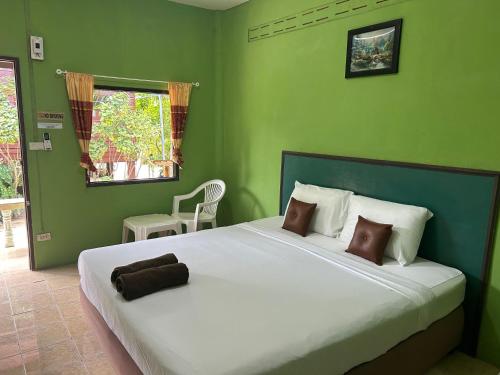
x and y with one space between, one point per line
463 201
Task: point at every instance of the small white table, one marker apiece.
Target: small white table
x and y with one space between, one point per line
6 207
143 226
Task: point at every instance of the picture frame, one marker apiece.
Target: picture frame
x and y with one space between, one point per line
374 50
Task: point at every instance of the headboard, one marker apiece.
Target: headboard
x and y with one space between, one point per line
464 203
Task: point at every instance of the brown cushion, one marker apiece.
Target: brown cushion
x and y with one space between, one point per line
370 240
298 217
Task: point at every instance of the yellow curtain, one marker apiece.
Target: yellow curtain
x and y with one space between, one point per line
80 89
179 104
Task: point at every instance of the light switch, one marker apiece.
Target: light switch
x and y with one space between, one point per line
36 47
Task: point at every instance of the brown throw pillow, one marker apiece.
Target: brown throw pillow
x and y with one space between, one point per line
370 240
298 217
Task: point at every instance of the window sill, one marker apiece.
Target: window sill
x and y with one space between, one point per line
133 182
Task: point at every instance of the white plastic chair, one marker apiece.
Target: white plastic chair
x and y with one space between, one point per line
205 212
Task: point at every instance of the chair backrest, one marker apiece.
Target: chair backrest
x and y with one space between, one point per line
214 191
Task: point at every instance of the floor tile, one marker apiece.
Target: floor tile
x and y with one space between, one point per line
66 295
28 290
7 325
5 309
13 265
19 253
72 368
30 303
4 294
43 316
71 310
88 346
63 281
53 359
42 336
100 366
22 277
78 326
69 270
8 345
12 365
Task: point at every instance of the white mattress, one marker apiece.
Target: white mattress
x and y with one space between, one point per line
260 298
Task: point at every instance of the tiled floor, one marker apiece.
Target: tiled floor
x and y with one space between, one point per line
43 330
42 327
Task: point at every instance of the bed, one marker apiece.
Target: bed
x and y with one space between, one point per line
262 300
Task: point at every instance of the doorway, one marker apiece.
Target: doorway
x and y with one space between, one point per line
16 250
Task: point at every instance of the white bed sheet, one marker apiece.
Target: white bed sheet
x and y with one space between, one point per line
260 297
447 284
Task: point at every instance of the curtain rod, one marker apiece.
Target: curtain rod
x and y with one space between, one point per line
61 72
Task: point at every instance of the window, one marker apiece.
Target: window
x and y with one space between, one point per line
130 136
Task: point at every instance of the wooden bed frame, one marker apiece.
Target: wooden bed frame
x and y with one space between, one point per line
460 236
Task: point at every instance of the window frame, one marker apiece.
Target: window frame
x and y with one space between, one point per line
137 181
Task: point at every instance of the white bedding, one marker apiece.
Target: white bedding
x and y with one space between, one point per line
260 298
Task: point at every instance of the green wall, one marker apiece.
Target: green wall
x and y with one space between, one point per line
257 99
153 39
289 92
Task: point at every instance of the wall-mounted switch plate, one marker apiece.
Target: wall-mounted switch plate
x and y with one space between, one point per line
47 144
37 146
43 237
36 47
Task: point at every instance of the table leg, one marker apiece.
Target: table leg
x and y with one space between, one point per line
125 234
7 226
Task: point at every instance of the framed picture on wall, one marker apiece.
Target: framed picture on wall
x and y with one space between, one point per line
374 50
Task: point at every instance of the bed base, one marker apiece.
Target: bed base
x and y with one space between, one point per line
419 353
413 356
121 361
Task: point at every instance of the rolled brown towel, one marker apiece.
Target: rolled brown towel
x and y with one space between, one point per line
143 264
141 283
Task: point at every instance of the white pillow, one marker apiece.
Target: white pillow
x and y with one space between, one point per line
408 225
331 210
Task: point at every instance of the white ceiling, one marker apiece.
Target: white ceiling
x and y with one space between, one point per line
212 4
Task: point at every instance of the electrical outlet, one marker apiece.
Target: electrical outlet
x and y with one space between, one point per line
43 237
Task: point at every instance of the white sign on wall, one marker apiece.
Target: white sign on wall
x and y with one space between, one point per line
50 120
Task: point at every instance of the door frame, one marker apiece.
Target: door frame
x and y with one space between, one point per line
24 158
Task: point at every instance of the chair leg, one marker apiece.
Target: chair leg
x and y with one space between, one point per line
192 227
125 234
178 228
140 235
214 223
